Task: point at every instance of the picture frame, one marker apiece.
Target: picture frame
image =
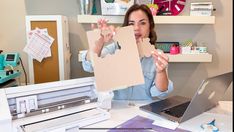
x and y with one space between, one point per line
165 46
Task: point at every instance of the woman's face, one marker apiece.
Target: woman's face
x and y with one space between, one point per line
139 20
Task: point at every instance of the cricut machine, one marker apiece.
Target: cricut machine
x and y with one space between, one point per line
62 106
7 73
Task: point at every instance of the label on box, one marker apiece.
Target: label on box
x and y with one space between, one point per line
117 7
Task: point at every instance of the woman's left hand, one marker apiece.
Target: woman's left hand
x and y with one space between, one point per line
161 60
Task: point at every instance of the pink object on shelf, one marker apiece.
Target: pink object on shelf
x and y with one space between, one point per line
153 8
174 49
153 11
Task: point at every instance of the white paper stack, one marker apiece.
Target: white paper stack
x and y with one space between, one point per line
38 44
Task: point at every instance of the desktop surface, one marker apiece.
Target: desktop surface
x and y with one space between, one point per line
121 112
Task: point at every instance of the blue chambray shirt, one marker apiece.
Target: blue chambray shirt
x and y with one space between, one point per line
145 91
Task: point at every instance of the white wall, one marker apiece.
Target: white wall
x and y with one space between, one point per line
12 28
186 76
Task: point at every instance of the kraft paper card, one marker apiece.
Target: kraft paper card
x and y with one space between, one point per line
121 69
145 49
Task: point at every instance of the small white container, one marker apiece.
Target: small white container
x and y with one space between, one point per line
203 49
185 50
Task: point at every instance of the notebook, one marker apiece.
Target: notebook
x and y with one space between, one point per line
180 109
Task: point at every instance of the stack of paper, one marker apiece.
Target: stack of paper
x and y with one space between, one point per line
38 44
142 124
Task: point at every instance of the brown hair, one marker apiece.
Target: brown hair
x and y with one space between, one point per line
146 10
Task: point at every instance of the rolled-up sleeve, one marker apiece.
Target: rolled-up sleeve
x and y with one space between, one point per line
86 64
155 92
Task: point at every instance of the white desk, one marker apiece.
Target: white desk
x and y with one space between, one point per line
122 112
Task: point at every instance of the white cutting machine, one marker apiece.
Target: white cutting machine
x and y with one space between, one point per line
62 106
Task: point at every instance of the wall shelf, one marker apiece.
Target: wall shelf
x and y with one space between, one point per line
179 57
203 57
157 19
85 19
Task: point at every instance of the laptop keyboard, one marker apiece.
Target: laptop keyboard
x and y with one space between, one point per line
177 111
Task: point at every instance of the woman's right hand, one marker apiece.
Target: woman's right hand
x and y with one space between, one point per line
106 35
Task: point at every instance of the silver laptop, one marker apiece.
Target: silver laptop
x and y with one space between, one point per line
180 109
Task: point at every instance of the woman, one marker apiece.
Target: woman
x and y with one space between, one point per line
154 68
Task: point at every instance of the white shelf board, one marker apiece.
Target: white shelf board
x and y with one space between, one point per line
157 19
203 57
180 57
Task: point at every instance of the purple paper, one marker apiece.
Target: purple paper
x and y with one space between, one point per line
142 124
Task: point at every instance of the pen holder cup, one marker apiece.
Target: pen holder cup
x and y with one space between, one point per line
86 7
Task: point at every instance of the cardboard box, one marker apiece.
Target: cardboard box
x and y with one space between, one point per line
115 7
201 9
